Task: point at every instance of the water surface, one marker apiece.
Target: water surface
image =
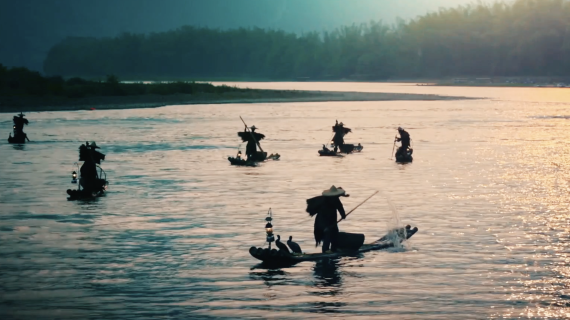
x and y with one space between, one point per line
488 190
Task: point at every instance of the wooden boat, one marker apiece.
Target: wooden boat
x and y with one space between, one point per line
272 156
350 148
83 195
241 162
80 194
19 139
345 148
406 157
328 153
275 257
258 157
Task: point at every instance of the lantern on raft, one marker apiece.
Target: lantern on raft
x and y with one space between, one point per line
269 228
74 177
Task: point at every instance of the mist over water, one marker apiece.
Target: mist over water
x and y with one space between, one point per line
488 190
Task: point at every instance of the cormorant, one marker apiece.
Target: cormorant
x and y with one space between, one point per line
280 245
293 245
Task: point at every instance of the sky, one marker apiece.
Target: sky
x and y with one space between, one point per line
29 28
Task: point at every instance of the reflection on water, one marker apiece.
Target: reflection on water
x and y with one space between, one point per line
270 277
488 189
328 281
19 146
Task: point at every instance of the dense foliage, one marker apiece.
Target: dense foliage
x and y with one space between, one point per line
23 82
525 37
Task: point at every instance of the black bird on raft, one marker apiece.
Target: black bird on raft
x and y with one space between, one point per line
293 245
281 245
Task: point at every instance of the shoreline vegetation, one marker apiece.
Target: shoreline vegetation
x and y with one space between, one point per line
519 38
25 90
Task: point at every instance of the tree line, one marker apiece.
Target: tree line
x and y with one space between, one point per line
21 82
519 38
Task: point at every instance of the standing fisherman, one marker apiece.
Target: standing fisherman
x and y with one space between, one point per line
325 208
252 138
19 122
90 181
339 132
405 139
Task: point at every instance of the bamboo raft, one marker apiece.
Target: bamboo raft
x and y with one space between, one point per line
276 257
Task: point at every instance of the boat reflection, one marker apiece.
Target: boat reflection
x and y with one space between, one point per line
328 282
20 147
270 277
327 274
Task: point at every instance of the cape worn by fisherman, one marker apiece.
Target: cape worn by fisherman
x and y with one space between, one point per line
339 132
90 180
252 138
405 139
325 208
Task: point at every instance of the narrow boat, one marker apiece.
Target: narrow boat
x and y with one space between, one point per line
350 148
405 158
18 139
328 153
275 257
83 195
257 157
345 148
235 161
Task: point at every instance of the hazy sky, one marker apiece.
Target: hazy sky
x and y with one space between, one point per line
28 28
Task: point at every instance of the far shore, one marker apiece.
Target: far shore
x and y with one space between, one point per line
38 104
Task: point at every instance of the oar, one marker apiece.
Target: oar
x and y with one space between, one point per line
359 205
393 147
252 135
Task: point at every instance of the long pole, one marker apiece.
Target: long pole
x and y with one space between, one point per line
359 205
330 140
252 135
393 147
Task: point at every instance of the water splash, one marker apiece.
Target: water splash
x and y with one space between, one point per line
394 225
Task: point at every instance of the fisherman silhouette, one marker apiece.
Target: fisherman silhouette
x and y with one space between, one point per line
20 121
339 132
405 140
90 180
252 138
325 208
19 135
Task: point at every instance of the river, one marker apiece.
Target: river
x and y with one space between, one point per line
488 190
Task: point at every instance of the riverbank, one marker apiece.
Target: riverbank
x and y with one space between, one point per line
55 103
503 85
